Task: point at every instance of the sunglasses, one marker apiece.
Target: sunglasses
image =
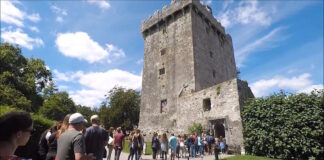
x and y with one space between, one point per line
31 131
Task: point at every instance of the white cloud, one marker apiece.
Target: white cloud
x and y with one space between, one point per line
21 38
245 13
80 45
96 84
114 52
34 17
59 19
58 10
34 28
10 14
301 83
102 3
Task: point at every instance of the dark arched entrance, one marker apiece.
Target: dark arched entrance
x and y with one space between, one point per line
217 127
219 130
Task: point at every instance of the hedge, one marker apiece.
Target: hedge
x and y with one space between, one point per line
285 126
40 125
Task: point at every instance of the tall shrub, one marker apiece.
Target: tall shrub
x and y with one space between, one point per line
285 126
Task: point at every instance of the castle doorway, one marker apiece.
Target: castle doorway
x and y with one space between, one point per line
217 127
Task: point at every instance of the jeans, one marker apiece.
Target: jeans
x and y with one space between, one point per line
133 151
117 152
193 150
154 152
200 149
110 148
164 155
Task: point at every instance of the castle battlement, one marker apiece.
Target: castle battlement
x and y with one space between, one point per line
178 6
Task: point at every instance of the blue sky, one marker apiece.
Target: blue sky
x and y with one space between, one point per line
92 45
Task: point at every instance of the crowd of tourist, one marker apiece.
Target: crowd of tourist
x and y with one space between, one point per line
69 139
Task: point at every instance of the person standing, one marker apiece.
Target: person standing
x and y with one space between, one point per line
15 130
96 138
70 145
118 142
110 145
173 145
199 144
164 146
155 144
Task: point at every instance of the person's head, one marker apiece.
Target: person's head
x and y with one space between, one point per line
155 134
111 129
77 121
65 123
118 129
164 137
172 134
94 119
16 128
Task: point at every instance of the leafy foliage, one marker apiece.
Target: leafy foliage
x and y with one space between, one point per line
195 128
285 126
57 106
23 79
123 109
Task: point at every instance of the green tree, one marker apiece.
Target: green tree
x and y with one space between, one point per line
123 110
57 106
27 76
87 112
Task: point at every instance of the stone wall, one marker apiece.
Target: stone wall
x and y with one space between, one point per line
174 38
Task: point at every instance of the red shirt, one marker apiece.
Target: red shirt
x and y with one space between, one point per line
118 139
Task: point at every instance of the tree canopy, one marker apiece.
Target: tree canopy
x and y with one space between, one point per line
123 108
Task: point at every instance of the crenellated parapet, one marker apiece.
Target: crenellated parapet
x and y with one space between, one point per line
168 13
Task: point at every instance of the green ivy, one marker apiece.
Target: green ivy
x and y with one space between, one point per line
285 126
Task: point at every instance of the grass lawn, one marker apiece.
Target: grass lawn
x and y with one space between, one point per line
148 150
248 157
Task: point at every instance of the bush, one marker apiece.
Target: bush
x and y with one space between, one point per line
285 126
195 128
40 124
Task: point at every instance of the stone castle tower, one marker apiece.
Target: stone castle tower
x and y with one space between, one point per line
189 74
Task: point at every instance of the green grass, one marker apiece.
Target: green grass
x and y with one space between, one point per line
148 150
248 157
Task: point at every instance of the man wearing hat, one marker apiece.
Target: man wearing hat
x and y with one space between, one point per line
70 145
96 138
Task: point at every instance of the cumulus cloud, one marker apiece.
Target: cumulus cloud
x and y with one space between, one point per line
301 83
80 45
94 85
101 4
21 38
10 14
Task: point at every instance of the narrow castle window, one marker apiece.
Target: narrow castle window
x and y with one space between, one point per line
163 51
162 71
164 31
164 108
211 54
206 104
214 73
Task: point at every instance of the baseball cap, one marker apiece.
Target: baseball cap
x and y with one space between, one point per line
77 118
94 117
